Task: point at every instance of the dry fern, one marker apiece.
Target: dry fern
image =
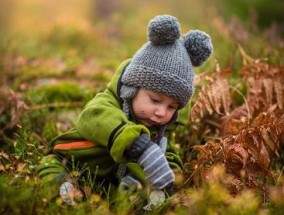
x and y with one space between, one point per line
13 104
214 96
246 156
265 86
252 134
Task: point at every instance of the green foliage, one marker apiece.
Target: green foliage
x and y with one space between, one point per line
59 92
17 196
266 12
49 130
27 148
68 38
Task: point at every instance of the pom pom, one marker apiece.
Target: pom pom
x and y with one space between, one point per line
199 46
163 30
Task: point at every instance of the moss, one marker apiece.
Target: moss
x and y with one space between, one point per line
59 92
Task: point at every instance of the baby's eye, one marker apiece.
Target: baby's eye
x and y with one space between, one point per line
172 107
155 100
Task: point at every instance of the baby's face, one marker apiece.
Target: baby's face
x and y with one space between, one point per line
152 108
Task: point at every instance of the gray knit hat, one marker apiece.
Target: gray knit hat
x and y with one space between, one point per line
165 63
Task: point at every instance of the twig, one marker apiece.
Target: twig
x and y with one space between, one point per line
56 105
211 122
209 159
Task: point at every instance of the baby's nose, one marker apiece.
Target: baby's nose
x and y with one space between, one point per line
161 111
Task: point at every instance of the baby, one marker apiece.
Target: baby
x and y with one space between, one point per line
122 135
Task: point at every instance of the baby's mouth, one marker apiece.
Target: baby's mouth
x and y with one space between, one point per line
149 122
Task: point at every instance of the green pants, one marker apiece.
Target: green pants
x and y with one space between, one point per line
52 174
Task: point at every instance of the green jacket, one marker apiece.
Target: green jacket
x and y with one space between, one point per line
103 123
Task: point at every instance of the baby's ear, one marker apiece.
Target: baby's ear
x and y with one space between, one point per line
199 46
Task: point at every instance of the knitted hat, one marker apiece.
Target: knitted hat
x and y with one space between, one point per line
165 63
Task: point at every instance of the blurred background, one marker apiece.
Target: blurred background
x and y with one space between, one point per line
109 30
66 51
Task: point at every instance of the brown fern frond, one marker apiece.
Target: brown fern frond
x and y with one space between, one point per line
278 87
248 154
265 85
209 153
214 95
250 138
14 105
201 105
198 107
271 144
252 134
236 154
235 121
225 95
203 153
265 91
270 127
255 98
198 79
246 58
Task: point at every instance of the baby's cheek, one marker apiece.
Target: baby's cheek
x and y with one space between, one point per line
167 119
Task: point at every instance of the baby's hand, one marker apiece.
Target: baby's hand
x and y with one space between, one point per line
163 144
129 183
157 197
69 194
153 161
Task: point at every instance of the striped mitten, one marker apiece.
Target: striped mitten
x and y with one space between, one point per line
129 183
153 161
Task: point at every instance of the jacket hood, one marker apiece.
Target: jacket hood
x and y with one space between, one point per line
115 83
